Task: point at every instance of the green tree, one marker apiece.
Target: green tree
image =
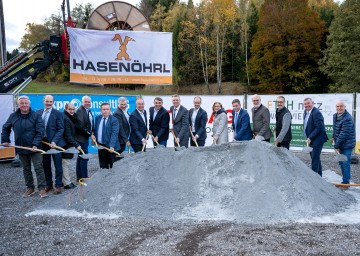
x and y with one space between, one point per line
34 33
341 60
81 14
287 47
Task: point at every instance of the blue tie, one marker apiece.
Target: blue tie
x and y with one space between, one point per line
103 131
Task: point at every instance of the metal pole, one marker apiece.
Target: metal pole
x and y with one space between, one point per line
2 36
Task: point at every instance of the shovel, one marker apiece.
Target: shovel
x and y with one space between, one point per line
83 155
192 135
97 145
72 150
259 138
115 152
144 145
157 143
345 185
340 157
52 150
26 148
307 149
178 148
274 133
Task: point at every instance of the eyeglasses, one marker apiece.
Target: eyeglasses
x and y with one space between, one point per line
279 102
255 100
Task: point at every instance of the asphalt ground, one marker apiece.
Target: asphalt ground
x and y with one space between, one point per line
55 235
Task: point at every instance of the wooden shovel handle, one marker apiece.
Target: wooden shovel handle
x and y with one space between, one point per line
50 145
192 135
82 151
157 143
108 149
96 145
26 148
144 145
173 133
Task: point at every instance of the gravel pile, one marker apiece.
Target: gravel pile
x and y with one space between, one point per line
140 233
251 182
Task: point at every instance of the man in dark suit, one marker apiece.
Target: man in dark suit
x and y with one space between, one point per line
85 121
197 121
180 120
240 122
123 117
54 131
106 132
314 131
138 125
159 122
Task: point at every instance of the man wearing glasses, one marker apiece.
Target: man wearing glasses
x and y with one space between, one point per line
261 119
283 124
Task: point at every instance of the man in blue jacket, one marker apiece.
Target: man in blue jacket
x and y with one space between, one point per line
159 122
344 138
138 125
28 129
240 122
106 134
54 132
314 131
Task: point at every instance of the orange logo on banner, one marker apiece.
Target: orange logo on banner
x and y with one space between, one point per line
122 48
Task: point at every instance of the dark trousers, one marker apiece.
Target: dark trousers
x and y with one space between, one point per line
81 164
138 147
36 159
201 143
315 159
284 144
106 159
122 148
46 161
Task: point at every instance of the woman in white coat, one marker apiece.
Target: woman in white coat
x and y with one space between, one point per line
220 126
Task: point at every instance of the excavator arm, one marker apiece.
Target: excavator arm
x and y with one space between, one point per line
12 75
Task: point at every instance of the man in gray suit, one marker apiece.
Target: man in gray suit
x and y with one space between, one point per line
260 118
180 120
123 115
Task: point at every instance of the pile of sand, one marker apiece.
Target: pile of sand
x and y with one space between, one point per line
249 182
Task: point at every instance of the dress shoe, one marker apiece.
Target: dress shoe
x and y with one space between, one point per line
70 186
57 190
47 189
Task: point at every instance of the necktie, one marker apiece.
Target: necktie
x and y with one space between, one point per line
175 112
103 130
155 113
236 118
305 121
45 119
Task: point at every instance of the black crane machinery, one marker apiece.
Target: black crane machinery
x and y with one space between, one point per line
56 48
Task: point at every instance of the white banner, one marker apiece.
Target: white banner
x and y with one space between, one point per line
121 56
207 102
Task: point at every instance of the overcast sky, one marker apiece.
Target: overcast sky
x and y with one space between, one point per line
19 12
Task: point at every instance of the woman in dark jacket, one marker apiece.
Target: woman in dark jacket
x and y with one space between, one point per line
69 136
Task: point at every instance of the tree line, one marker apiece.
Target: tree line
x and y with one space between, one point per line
269 46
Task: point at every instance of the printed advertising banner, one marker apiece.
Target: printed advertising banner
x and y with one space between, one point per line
324 102
118 57
61 99
295 103
357 148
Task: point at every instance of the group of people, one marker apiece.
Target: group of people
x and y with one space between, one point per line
49 128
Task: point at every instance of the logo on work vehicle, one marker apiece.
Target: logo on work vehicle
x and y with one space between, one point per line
122 48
